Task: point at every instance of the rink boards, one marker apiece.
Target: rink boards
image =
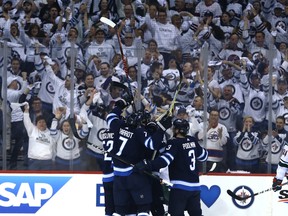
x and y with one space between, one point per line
75 194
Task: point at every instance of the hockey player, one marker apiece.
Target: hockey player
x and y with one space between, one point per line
181 155
108 175
131 142
282 169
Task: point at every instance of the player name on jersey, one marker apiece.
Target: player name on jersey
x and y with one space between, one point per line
188 145
125 133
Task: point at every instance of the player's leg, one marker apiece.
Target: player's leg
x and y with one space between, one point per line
121 195
193 203
177 202
109 199
141 192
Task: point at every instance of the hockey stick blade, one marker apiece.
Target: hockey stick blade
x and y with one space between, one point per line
233 195
108 22
213 167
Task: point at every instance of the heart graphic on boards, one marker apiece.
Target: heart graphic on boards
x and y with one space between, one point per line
209 195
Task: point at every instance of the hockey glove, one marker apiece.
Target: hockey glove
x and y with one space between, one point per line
121 103
165 123
276 184
151 127
142 166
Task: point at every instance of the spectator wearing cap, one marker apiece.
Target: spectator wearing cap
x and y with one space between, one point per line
129 22
256 100
230 112
275 16
26 10
51 19
279 137
208 6
194 124
12 33
225 25
34 38
62 97
129 48
15 70
7 11
217 137
105 10
228 78
180 6
186 93
283 111
158 84
48 81
259 46
84 90
100 47
80 71
61 43
18 134
234 9
46 12
164 33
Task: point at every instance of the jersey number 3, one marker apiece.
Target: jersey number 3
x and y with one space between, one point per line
191 155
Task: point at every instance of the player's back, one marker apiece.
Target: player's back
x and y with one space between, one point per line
186 152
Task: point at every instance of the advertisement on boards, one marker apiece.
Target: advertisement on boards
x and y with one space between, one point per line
76 194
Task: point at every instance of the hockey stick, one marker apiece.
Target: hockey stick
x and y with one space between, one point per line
162 181
171 108
124 60
241 198
213 167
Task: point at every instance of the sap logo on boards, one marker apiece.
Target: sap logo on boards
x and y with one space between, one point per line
283 196
27 194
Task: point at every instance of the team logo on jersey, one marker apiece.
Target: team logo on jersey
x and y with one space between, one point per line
213 136
171 76
256 56
246 145
243 191
128 53
224 113
256 103
49 88
67 52
68 143
19 86
100 134
26 195
275 147
281 24
286 118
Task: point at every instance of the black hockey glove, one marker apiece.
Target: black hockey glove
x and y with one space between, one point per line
165 123
276 184
142 166
151 127
121 103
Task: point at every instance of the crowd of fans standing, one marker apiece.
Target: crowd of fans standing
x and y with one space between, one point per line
247 42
